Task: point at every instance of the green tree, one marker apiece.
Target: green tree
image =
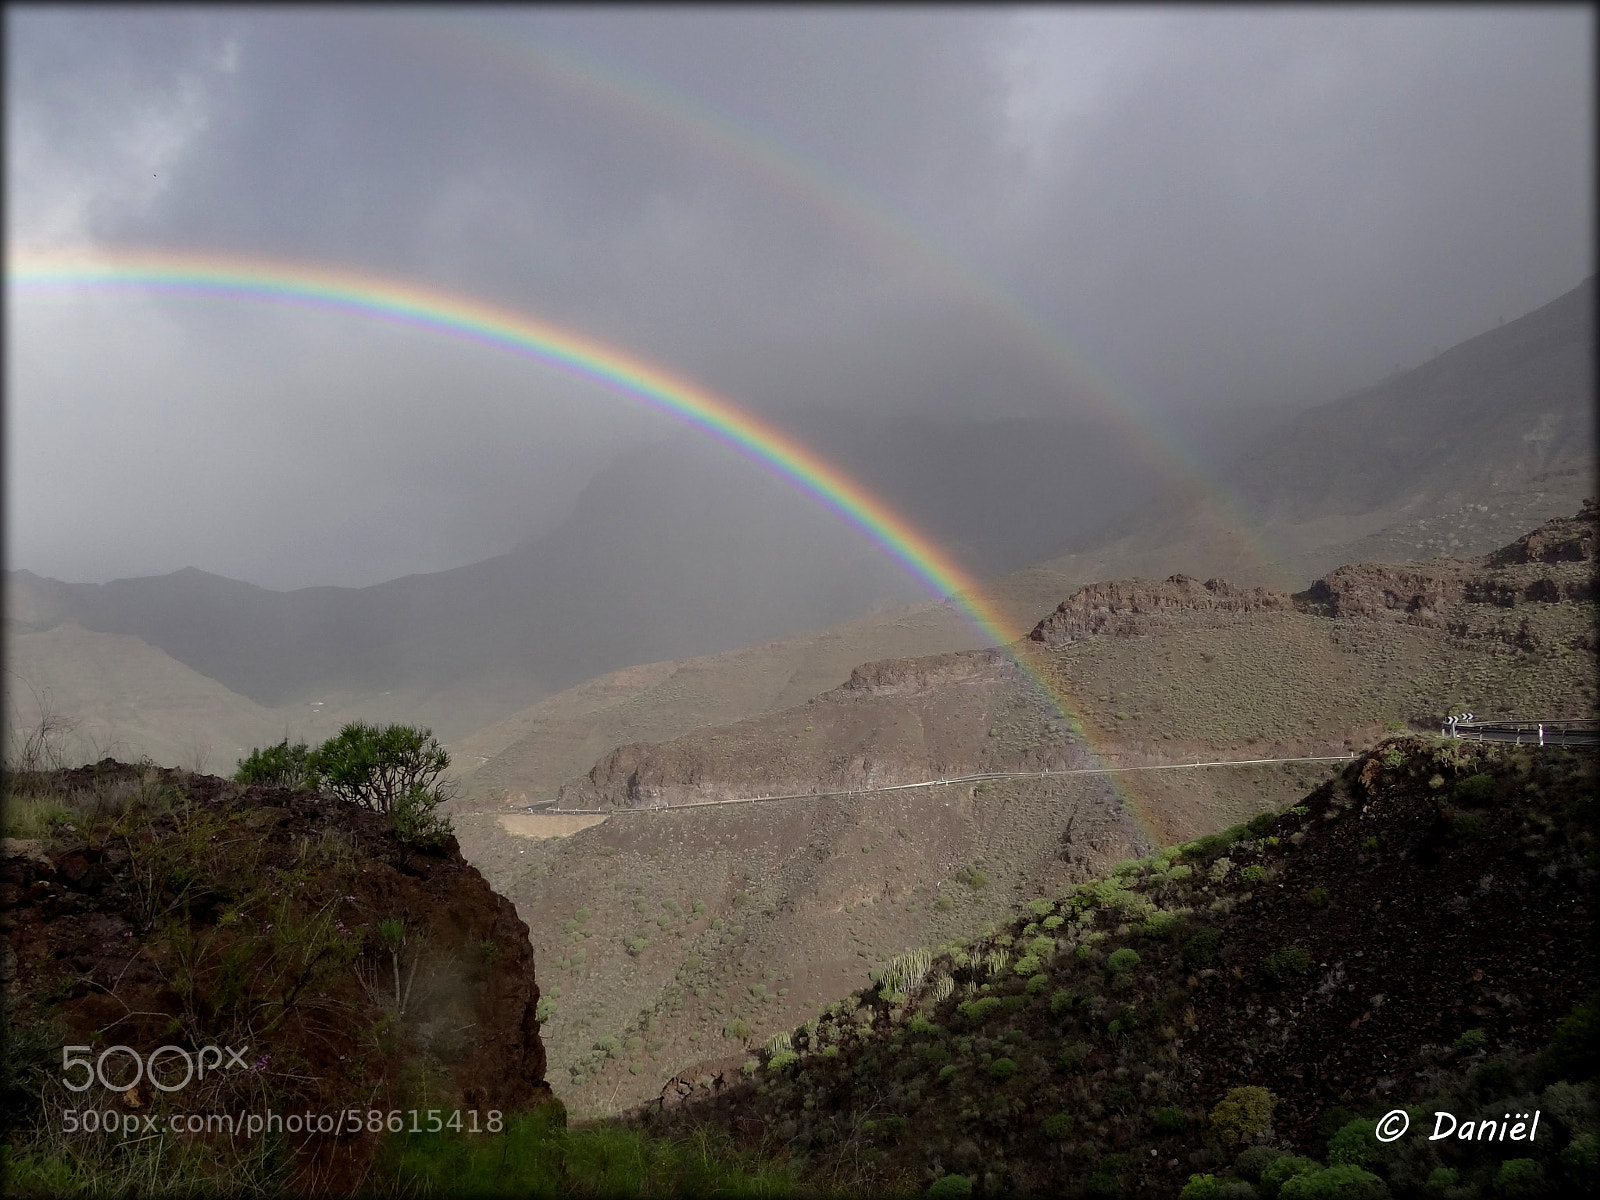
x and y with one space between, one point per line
376 766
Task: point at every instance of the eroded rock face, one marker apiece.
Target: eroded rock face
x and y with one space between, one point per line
1129 607
1566 539
1552 564
912 676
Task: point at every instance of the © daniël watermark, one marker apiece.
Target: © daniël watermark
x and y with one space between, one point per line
1509 1127
121 1069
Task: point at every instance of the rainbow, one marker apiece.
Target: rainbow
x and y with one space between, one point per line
874 224
420 307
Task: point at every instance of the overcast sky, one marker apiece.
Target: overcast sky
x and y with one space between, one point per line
965 212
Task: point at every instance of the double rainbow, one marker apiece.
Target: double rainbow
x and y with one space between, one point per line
414 305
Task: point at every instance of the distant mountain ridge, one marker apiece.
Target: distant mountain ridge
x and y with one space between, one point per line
673 551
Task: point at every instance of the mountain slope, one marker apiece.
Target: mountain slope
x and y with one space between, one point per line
705 920
1170 669
1410 934
120 696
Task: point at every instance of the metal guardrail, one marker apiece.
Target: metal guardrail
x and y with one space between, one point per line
546 806
1560 732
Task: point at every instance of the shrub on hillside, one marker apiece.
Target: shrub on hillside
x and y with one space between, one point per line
1169 1119
374 766
280 766
1122 960
1200 948
1254 1160
1242 1113
1057 1127
1347 1182
1282 1169
1288 963
947 1186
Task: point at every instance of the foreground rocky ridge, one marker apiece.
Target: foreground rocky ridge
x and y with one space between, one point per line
159 907
1410 934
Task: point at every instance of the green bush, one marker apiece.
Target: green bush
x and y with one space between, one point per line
1468 826
737 1029
1254 1160
418 822
1002 1068
1200 1187
1160 923
1242 1113
1520 1177
1318 897
1261 822
1288 963
280 766
1058 1126
950 1185
1169 1119
1353 1143
1574 1048
1200 948
374 765
1037 984
1475 789
976 1012
1282 1169
1253 874
1472 1039
1061 1001
1073 1054
1125 959
1347 1182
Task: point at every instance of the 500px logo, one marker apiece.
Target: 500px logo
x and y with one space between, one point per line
171 1060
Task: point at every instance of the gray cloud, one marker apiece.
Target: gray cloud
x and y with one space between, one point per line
1207 207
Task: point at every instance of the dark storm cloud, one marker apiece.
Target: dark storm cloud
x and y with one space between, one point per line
1209 206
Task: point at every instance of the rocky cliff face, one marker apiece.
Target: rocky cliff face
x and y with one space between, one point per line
1129 607
1508 595
163 908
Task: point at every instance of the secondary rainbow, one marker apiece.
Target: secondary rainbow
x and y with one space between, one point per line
411 304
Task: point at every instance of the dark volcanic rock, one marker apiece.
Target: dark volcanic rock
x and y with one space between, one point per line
207 912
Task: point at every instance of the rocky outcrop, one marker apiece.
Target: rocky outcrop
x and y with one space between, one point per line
915 676
291 923
1130 607
1552 564
1564 540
